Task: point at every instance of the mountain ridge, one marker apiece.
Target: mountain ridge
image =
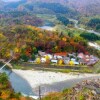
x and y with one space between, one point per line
84 7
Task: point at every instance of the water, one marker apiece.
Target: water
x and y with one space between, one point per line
49 28
19 84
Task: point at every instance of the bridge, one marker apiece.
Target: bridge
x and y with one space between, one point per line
6 63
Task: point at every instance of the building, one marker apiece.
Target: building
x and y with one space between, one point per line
60 55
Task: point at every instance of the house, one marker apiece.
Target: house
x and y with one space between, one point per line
41 53
73 59
92 60
76 63
81 55
54 61
81 61
31 61
60 55
86 58
43 60
66 60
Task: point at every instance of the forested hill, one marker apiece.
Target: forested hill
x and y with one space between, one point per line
1 4
84 7
40 7
87 7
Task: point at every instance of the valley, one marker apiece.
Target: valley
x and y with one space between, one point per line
50 49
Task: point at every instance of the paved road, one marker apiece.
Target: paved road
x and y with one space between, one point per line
76 26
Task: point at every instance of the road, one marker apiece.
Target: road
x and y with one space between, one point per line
76 26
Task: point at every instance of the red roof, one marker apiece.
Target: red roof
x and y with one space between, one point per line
61 54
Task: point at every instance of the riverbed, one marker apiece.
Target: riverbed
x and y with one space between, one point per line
52 81
28 81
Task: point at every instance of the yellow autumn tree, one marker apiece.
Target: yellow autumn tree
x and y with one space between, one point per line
38 60
47 57
40 35
64 39
16 50
71 63
60 62
7 54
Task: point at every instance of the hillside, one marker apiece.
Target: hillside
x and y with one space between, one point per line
40 7
7 92
22 39
84 7
87 7
2 4
86 90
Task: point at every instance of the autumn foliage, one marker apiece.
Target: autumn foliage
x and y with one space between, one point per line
6 91
25 38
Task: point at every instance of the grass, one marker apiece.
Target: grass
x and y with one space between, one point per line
97 67
51 18
58 70
86 70
98 42
54 68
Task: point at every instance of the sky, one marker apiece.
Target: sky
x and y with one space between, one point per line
10 0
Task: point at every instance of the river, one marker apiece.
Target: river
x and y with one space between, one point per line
18 83
21 85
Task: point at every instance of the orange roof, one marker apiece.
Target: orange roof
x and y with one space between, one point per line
61 54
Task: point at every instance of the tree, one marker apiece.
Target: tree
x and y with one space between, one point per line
38 60
24 57
94 22
98 27
35 51
33 57
71 63
70 34
90 36
60 62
